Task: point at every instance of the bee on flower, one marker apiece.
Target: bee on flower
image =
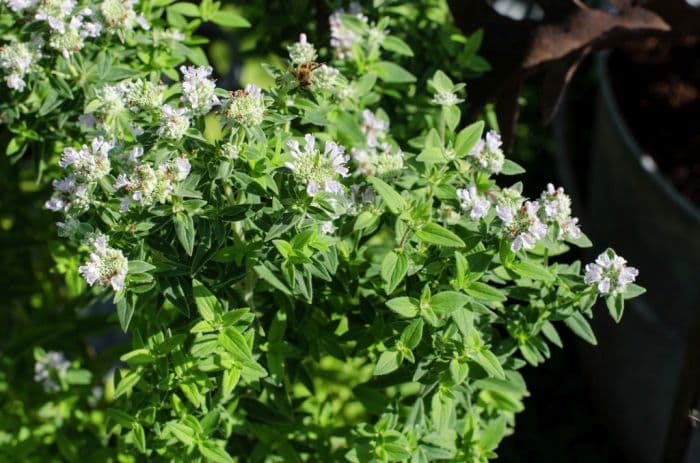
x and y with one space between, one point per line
318 170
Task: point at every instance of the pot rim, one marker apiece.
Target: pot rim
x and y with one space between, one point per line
629 139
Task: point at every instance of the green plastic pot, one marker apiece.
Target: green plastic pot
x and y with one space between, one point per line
640 365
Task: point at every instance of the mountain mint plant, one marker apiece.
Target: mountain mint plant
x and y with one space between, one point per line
300 286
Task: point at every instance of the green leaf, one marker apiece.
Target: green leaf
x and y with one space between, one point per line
125 310
388 362
432 155
582 241
397 45
228 18
139 437
267 275
182 432
207 304
458 371
493 433
394 268
236 345
632 290
511 168
138 357
413 333
393 200
580 326
532 270
448 301
393 73
436 234
616 305
441 82
185 9
484 292
127 383
490 363
214 453
452 116
467 138
404 306
184 228
139 266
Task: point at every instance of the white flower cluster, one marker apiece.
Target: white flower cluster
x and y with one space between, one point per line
198 90
359 197
174 122
70 37
378 157
19 5
446 99
107 266
556 210
120 17
520 219
143 95
343 38
68 195
247 107
88 163
147 186
610 273
302 51
49 369
487 154
16 59
317 170
470 201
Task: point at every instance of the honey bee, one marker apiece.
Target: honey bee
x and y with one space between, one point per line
304 73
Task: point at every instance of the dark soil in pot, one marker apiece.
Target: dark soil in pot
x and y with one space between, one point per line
657 84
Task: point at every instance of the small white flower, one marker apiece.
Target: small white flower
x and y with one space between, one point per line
471 202
56 13
16 60
173 123
521 223
119 16
325 79
373 128
301 51
556 209
246 107
19 5
610 273
107 266
327 227
487 154
198 89
446 99
49 369
342 38
89 163
317 170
